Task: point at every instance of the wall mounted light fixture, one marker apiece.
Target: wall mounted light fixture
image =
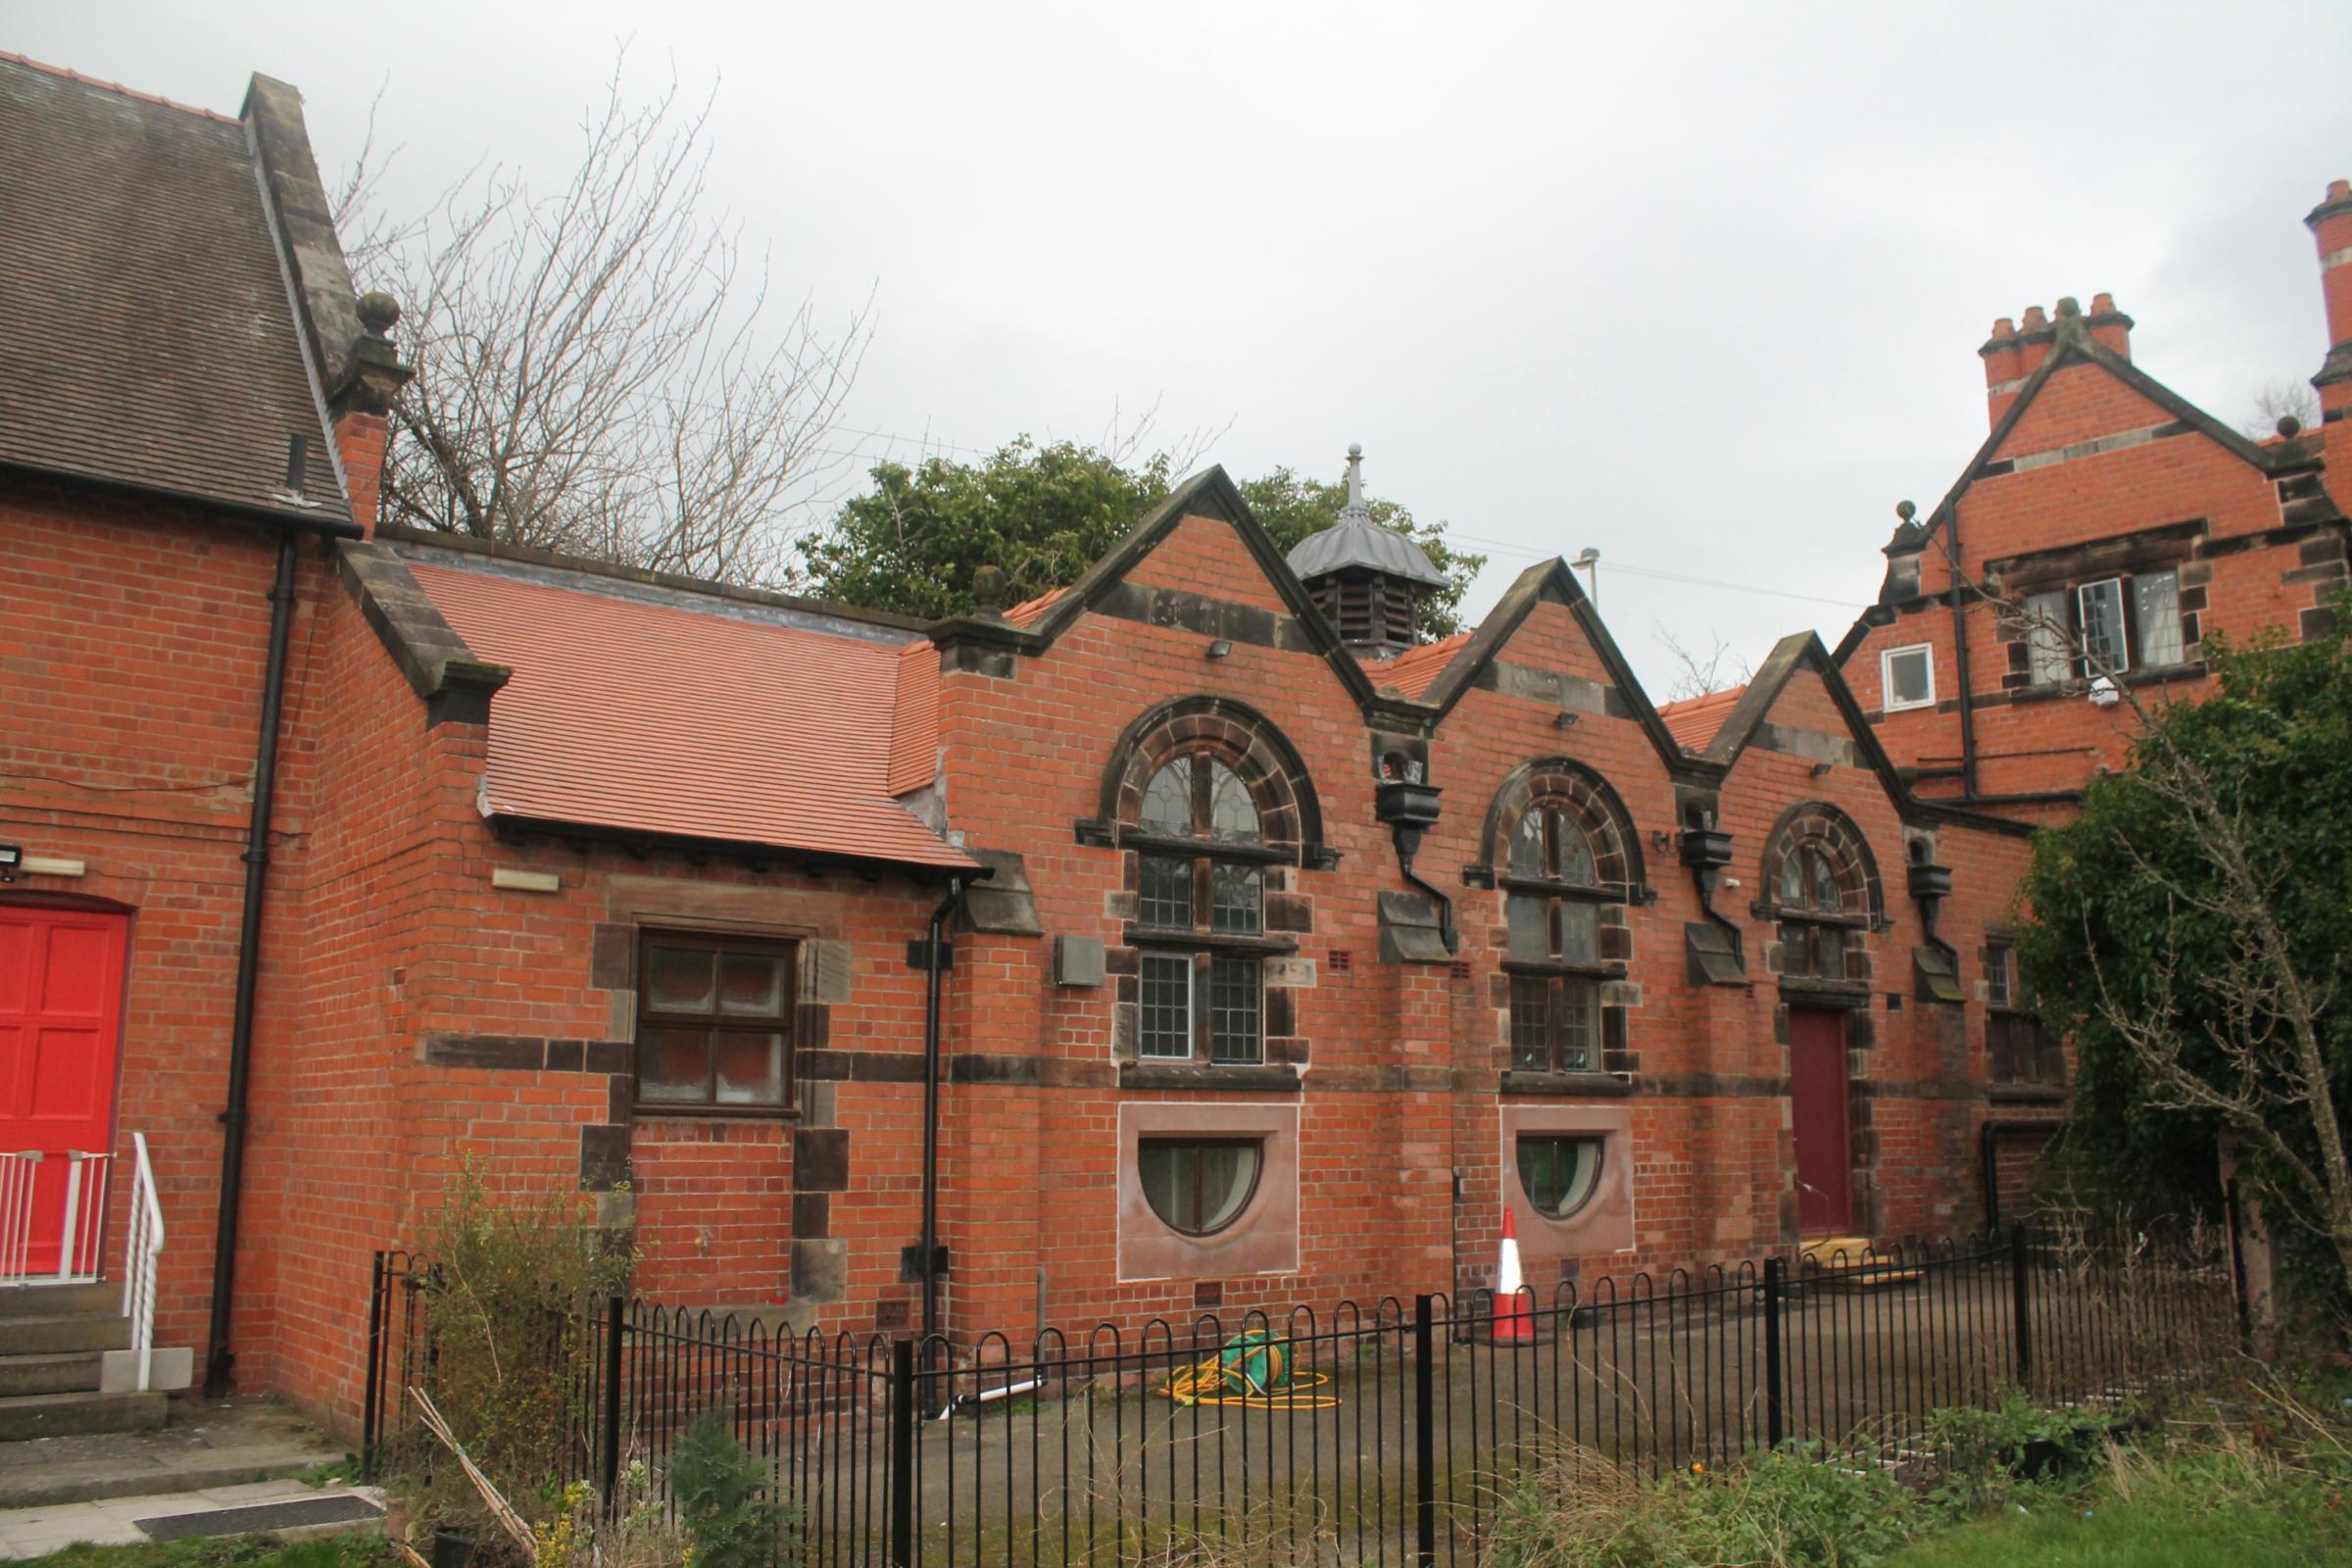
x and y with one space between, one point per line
1219 649
12 855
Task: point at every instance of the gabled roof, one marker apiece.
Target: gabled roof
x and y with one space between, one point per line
2076 346
148 335
658 712
1753 703
1546 581
1211 493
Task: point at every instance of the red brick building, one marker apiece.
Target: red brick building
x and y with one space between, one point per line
1187 937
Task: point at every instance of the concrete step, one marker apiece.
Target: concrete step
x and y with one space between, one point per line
59 1415
203 1447
58 1372
73 1331
61 1300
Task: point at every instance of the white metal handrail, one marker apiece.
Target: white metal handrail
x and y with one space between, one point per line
81 1227
143 1244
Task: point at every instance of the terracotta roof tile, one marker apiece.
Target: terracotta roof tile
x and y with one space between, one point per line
1416 670
1694 721
914 720
658 717
146 334
1027 611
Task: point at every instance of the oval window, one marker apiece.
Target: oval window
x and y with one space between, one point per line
1198 1186
1558 1172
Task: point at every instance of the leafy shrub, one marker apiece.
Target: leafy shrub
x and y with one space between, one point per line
722 1496
513 1283
1986 1453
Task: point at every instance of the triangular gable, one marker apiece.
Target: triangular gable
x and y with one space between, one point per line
2073 346
1209 494
1548 581
1800 651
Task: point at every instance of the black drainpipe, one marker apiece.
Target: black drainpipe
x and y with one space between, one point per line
1988 1138
1968 720
935 963
219 1358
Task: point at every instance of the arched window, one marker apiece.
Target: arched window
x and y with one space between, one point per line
1823 890
1563 872
1215 813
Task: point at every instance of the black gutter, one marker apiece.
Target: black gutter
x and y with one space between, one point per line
243 510
218 1357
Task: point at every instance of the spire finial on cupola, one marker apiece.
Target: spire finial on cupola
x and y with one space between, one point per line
1366 579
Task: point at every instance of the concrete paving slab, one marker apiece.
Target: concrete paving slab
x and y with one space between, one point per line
205 1445
113 1521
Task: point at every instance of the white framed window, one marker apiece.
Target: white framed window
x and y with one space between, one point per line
2101 608
2156 617
2048 659
1907 677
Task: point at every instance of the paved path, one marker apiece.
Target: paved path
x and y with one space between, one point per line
205 1445
37 1532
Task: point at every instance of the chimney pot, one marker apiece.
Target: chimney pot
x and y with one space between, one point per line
2037 320
2101 304
2339 190
2003 328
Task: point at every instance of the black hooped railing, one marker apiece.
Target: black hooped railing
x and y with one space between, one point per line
1392 1431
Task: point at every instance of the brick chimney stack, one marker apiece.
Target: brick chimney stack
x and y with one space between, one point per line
2002 377
2331 224
2110 329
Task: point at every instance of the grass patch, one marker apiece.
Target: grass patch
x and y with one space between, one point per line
2260 1478
357 1548
2235 1505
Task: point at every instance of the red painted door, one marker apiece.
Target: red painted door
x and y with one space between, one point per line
1817 1093
61 1021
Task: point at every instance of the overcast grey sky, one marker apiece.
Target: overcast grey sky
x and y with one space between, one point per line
1700 288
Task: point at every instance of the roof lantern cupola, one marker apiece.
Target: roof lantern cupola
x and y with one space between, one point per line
1367 580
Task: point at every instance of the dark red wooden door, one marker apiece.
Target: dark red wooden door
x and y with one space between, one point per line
61 1019
1817 1093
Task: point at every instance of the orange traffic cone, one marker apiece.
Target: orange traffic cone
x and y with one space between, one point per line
1514 1322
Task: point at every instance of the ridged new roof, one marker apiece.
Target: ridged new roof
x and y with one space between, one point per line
1694 721
1416 670
664 718
146 333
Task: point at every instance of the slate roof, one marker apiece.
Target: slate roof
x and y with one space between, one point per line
146 332
645 711
1357 542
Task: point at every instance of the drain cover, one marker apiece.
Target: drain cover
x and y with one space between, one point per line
340 1509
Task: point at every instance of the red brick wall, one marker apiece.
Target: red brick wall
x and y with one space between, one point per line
2248 581
132 641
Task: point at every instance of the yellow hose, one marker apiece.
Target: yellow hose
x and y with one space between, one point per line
1215 1382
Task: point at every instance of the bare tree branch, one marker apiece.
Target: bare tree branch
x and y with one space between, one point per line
601 370
1699 673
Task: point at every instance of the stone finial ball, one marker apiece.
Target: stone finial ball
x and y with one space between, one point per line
1905 511
2289 427
378 311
